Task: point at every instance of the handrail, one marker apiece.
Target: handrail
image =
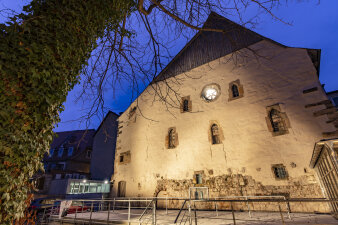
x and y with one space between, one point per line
178 215
183 216
145 210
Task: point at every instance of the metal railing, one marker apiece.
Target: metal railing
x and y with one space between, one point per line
174 210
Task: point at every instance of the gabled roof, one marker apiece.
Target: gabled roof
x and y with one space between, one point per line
103 121
80 140
207 46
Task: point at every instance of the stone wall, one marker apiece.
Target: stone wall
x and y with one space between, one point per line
241 185
247 149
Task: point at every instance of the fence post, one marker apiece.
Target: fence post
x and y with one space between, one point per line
108 212
189 210
91 212
43 215
233 213
114 205
247 203
216 208
281 215
154 212
75 214
195 214
166 205
288 208
128 211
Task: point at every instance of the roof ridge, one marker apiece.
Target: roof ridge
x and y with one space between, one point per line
74 130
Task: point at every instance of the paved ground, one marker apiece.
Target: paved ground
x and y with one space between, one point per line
203 217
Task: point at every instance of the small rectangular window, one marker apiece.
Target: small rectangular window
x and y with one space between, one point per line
89 154
279 171
121 158
198 178
185 104
60 152
70 151
51 153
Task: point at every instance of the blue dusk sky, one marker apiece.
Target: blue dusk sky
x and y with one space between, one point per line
314 25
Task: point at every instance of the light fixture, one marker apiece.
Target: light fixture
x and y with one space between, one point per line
211 92
105 181
84 181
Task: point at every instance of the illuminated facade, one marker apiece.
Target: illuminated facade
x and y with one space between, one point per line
237 123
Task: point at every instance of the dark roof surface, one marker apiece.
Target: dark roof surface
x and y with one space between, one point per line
207 46
80 140
110 112
332 92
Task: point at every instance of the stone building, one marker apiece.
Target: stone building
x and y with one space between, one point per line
333 96
241 117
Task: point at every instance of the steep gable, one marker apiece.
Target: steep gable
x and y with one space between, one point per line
207 46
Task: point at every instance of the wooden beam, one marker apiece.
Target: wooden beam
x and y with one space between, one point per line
328 103
325 111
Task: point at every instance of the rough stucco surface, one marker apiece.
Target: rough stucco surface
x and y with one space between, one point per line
248 149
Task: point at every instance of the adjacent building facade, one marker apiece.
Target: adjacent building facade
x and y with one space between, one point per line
80 162
69 158
103 155
239 119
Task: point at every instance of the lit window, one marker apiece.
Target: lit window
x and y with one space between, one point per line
70 151
215 134
51 153
279 171
60 152
210 92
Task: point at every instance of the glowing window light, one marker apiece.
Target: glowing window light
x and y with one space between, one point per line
211 92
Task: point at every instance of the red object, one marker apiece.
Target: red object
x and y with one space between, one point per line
74 208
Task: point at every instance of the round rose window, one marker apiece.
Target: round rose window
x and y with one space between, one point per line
211 92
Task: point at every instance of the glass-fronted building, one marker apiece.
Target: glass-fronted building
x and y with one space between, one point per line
78 186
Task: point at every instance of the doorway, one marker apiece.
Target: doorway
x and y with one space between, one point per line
121 189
